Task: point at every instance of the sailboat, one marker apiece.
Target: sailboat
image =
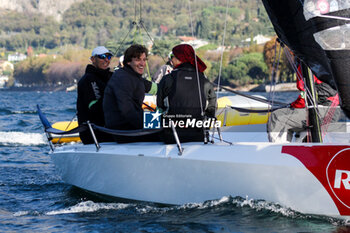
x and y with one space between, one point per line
312 178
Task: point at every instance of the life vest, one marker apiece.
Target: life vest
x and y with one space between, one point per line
184 94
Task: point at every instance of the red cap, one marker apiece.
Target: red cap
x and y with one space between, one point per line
185 53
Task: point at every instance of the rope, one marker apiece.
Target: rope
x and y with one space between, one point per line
328 117
195 59
251 97
133 133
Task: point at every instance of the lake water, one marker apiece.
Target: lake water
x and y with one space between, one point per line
33 198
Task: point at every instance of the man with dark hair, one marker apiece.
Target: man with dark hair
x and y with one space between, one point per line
125 93
90 93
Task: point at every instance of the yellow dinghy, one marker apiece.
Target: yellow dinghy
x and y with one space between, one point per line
65 126
231 117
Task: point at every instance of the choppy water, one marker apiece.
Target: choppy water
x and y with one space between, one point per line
34 199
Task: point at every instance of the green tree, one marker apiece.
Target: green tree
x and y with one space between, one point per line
163 47
203 27
284 71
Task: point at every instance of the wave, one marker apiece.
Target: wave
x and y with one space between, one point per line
21 138
24 112
259 206
6 111
228 201
225 203
89 206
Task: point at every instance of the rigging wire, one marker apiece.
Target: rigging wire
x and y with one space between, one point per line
273 77
122 43
195 59
140 11
222 52
274 72
139 24
220 69
135 10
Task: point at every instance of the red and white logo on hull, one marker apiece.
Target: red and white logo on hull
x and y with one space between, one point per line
331 166
338 176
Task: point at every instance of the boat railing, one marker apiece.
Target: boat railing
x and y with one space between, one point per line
179 147
92 127
93 136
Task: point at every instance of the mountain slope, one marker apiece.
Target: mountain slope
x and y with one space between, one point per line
54 8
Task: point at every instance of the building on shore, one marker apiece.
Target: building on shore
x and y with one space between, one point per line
16 57
3 81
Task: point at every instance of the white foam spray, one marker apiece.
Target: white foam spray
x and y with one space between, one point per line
21 138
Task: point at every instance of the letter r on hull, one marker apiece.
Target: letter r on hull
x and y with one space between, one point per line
338 179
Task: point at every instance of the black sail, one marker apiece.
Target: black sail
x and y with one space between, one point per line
318 32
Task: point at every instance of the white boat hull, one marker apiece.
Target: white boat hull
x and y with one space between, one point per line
154 172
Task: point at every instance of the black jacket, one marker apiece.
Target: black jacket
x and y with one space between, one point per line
324 91
123 99
90 98
181 88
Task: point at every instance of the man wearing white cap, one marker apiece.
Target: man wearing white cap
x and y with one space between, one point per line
90 93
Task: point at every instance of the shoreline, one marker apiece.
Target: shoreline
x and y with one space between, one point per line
281 87
36 88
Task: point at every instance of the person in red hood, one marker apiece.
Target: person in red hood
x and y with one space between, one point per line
186 92
284 122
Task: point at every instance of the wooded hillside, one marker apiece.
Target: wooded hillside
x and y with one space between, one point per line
93 22
156 23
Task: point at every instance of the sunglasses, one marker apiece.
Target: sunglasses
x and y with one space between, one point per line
104 56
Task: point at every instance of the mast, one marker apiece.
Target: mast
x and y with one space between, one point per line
314 121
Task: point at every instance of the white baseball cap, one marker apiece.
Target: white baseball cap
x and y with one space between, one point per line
100 50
